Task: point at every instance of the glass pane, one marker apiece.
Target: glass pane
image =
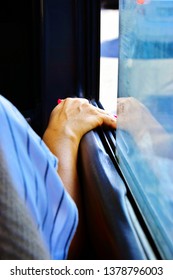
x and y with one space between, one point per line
109 46
145 112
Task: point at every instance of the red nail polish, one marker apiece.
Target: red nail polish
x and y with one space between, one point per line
59 101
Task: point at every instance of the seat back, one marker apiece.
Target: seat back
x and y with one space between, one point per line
19 237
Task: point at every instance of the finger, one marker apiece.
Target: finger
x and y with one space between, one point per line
112 117
110 121
59 101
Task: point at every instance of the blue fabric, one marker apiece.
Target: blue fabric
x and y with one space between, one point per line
33 169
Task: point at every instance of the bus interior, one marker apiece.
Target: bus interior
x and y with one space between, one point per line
103 51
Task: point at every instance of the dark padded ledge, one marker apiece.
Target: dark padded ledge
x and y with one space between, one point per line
109 225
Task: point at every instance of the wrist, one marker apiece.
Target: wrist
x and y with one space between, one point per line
55 139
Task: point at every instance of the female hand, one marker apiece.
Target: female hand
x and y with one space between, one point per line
135 118
74 117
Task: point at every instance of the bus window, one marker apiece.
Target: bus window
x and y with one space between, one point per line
145 127
109 45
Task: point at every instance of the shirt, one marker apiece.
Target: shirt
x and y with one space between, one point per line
33 169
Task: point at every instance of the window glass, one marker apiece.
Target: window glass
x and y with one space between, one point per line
145 112
109 54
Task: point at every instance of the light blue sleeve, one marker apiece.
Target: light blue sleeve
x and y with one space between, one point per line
33 169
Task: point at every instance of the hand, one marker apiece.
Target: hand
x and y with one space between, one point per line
74 117
134 117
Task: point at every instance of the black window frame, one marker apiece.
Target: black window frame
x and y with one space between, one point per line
70 51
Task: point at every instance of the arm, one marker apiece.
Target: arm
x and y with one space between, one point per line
69 121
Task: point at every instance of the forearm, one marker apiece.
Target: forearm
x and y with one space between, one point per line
66 150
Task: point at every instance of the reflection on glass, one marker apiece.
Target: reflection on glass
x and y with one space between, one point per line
145 112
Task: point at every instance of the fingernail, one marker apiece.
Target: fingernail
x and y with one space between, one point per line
115 116
59 101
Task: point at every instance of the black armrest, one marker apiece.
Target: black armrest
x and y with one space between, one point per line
110 228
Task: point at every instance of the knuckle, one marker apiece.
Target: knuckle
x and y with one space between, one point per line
99 120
